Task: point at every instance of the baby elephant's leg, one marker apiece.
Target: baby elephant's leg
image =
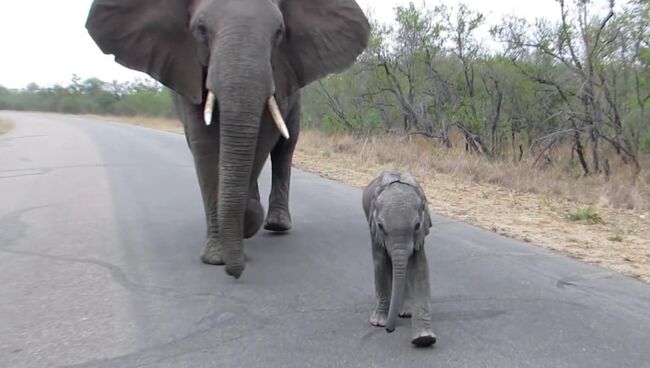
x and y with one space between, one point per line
383 285
421 300
407 307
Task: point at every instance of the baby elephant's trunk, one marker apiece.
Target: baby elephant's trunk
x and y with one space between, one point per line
400 260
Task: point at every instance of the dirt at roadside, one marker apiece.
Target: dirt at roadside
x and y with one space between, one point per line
5 126
621 242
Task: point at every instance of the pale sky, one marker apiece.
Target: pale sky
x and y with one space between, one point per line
44 41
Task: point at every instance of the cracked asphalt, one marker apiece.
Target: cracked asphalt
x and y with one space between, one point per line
100 230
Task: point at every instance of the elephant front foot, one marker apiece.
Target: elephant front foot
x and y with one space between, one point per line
212 253
278 220
378 318
423 338
405 314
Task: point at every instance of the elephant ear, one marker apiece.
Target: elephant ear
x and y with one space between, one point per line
150 36
375 233
426 216
323 36
424 228
374 189
426 223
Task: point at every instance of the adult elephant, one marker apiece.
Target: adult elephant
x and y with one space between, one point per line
238 65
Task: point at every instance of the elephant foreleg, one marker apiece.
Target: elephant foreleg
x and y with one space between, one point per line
407 307
203 142
383 285
278 217
418 280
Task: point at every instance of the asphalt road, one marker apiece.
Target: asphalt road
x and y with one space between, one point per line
100 230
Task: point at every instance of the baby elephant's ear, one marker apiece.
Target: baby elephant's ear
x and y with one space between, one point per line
374 231
426 217
378 190
418 189
424 229
427 224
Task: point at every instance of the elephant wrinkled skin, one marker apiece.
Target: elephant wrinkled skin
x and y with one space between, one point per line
242 52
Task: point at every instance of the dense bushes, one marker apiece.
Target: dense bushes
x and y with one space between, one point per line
523 89
92 96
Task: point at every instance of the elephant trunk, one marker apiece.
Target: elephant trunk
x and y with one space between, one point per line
398 291
241 78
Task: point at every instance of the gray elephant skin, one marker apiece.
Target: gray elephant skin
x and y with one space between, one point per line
243 56
398 216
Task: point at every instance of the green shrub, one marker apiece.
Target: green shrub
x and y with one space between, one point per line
585 214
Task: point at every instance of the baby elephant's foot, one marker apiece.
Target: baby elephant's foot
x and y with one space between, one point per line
211 253
278 220
405 314
424 338
378 318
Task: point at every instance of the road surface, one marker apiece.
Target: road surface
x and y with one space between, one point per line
100 231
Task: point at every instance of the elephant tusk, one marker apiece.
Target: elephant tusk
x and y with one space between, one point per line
277 117
209 108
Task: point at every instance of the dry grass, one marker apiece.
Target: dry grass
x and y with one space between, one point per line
417 154
600 222
5 126
513 200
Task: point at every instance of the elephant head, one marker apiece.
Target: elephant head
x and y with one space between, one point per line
237 53
399 221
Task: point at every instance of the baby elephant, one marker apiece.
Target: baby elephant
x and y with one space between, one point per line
398 216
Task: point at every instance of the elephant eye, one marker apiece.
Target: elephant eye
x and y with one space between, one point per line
381 227
279 35
417 226
200 32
